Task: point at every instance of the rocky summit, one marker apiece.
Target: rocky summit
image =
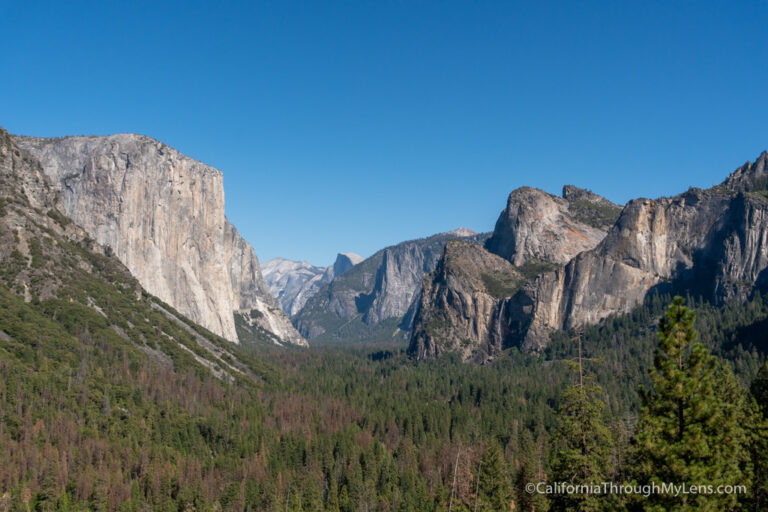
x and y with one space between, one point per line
467 306
577 259
162 214
537 226
461 301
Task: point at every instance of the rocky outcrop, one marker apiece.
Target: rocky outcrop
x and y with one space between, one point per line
712 243
750 176
293 283
539 226
377 296
475 305
41 250
162 214
462 302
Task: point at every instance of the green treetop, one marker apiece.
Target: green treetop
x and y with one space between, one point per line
582 443
690 431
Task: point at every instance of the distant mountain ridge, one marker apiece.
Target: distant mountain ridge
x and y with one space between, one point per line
375 299
292 283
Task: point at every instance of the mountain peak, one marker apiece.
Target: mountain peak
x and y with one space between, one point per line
345 261
118 188
537 225
462 232
750 176
572 193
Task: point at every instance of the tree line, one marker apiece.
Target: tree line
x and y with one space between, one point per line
89 422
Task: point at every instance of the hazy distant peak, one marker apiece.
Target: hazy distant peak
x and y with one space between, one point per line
345 261
354 258
462 232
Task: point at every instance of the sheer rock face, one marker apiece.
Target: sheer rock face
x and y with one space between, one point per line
713 243
539 226
293 283
476 303
463 302
399 280
162 214
37 242
383 286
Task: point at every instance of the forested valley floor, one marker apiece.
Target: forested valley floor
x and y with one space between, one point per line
87 421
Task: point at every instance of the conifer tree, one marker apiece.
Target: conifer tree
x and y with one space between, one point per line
690 431
494 479
582 443
759 388
525 500
758 446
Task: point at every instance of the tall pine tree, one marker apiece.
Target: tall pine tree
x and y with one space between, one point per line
582 443
690 431
758 447
494 479
529 471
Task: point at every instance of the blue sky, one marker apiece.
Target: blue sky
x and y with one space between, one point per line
349 126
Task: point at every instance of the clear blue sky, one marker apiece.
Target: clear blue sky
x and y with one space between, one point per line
349 126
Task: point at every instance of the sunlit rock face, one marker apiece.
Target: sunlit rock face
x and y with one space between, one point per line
536 225
480 300
711 242
580 258
162 214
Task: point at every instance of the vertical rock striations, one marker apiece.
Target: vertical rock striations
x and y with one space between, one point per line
162 214
375 298
463 302
479 301
713 243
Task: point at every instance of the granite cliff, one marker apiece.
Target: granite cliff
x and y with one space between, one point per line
713 243
461 303
474 303
162 214
536 226
71 299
